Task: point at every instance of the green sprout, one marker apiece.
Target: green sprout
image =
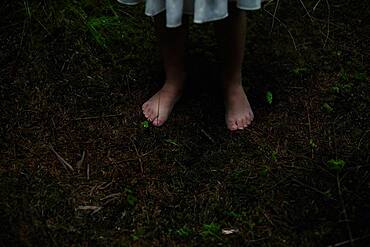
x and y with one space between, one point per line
327 107
336 164
131 199
137 234
145 123
269 97
274 155
299 71
210 230
264 172
312 144
335 89
184 231
173 142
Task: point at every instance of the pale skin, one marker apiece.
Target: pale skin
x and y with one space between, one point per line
230 33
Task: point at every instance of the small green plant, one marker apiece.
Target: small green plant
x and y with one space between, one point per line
360 76
335 89
145 124
232 214
264 172
184 231
137 234
100 28
269 97
131 199
337 164
312 144
299 71
343 75
274 155
210 230
327 107
173 142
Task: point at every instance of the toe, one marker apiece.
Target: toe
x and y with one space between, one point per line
231 124
251 116
155 121
244 122
158 121
144 106
150 116
240 124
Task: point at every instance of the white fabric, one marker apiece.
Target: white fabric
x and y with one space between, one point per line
203 10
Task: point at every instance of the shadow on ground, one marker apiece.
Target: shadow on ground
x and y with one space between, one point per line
74 76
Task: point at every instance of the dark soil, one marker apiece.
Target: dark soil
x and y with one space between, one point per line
74 75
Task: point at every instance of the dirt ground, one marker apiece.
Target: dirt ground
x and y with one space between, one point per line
80 166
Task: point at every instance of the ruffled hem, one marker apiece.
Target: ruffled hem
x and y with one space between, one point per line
203 10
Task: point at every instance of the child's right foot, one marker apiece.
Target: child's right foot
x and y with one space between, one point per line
159 106
239 113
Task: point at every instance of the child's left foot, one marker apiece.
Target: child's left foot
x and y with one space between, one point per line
239 113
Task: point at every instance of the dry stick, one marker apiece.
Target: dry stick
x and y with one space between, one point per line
97 117
290 34
273 19
311 18
88 207
348 241
110 196
79 163
308 13
207 135
327 35
105 185
61 160
138 155
88 171
310 187
314 7
344 210
309 128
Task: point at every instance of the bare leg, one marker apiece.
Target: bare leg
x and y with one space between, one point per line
231 35
172 46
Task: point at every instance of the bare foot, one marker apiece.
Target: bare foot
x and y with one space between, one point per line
239 113
159 106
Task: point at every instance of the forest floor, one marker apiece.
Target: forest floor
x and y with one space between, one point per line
80 167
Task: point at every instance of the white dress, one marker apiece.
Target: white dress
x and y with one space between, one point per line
203 10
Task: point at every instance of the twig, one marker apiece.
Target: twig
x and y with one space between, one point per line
327 34
103 187
61 160
310 187
344 211
138 156
207 135
97 117
79 163
88 171
314 7
309 128
93 189
348 241
274 16
110 196
286 27
88 207
308 13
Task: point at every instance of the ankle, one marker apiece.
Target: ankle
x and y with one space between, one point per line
232 81
173 86
175 82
